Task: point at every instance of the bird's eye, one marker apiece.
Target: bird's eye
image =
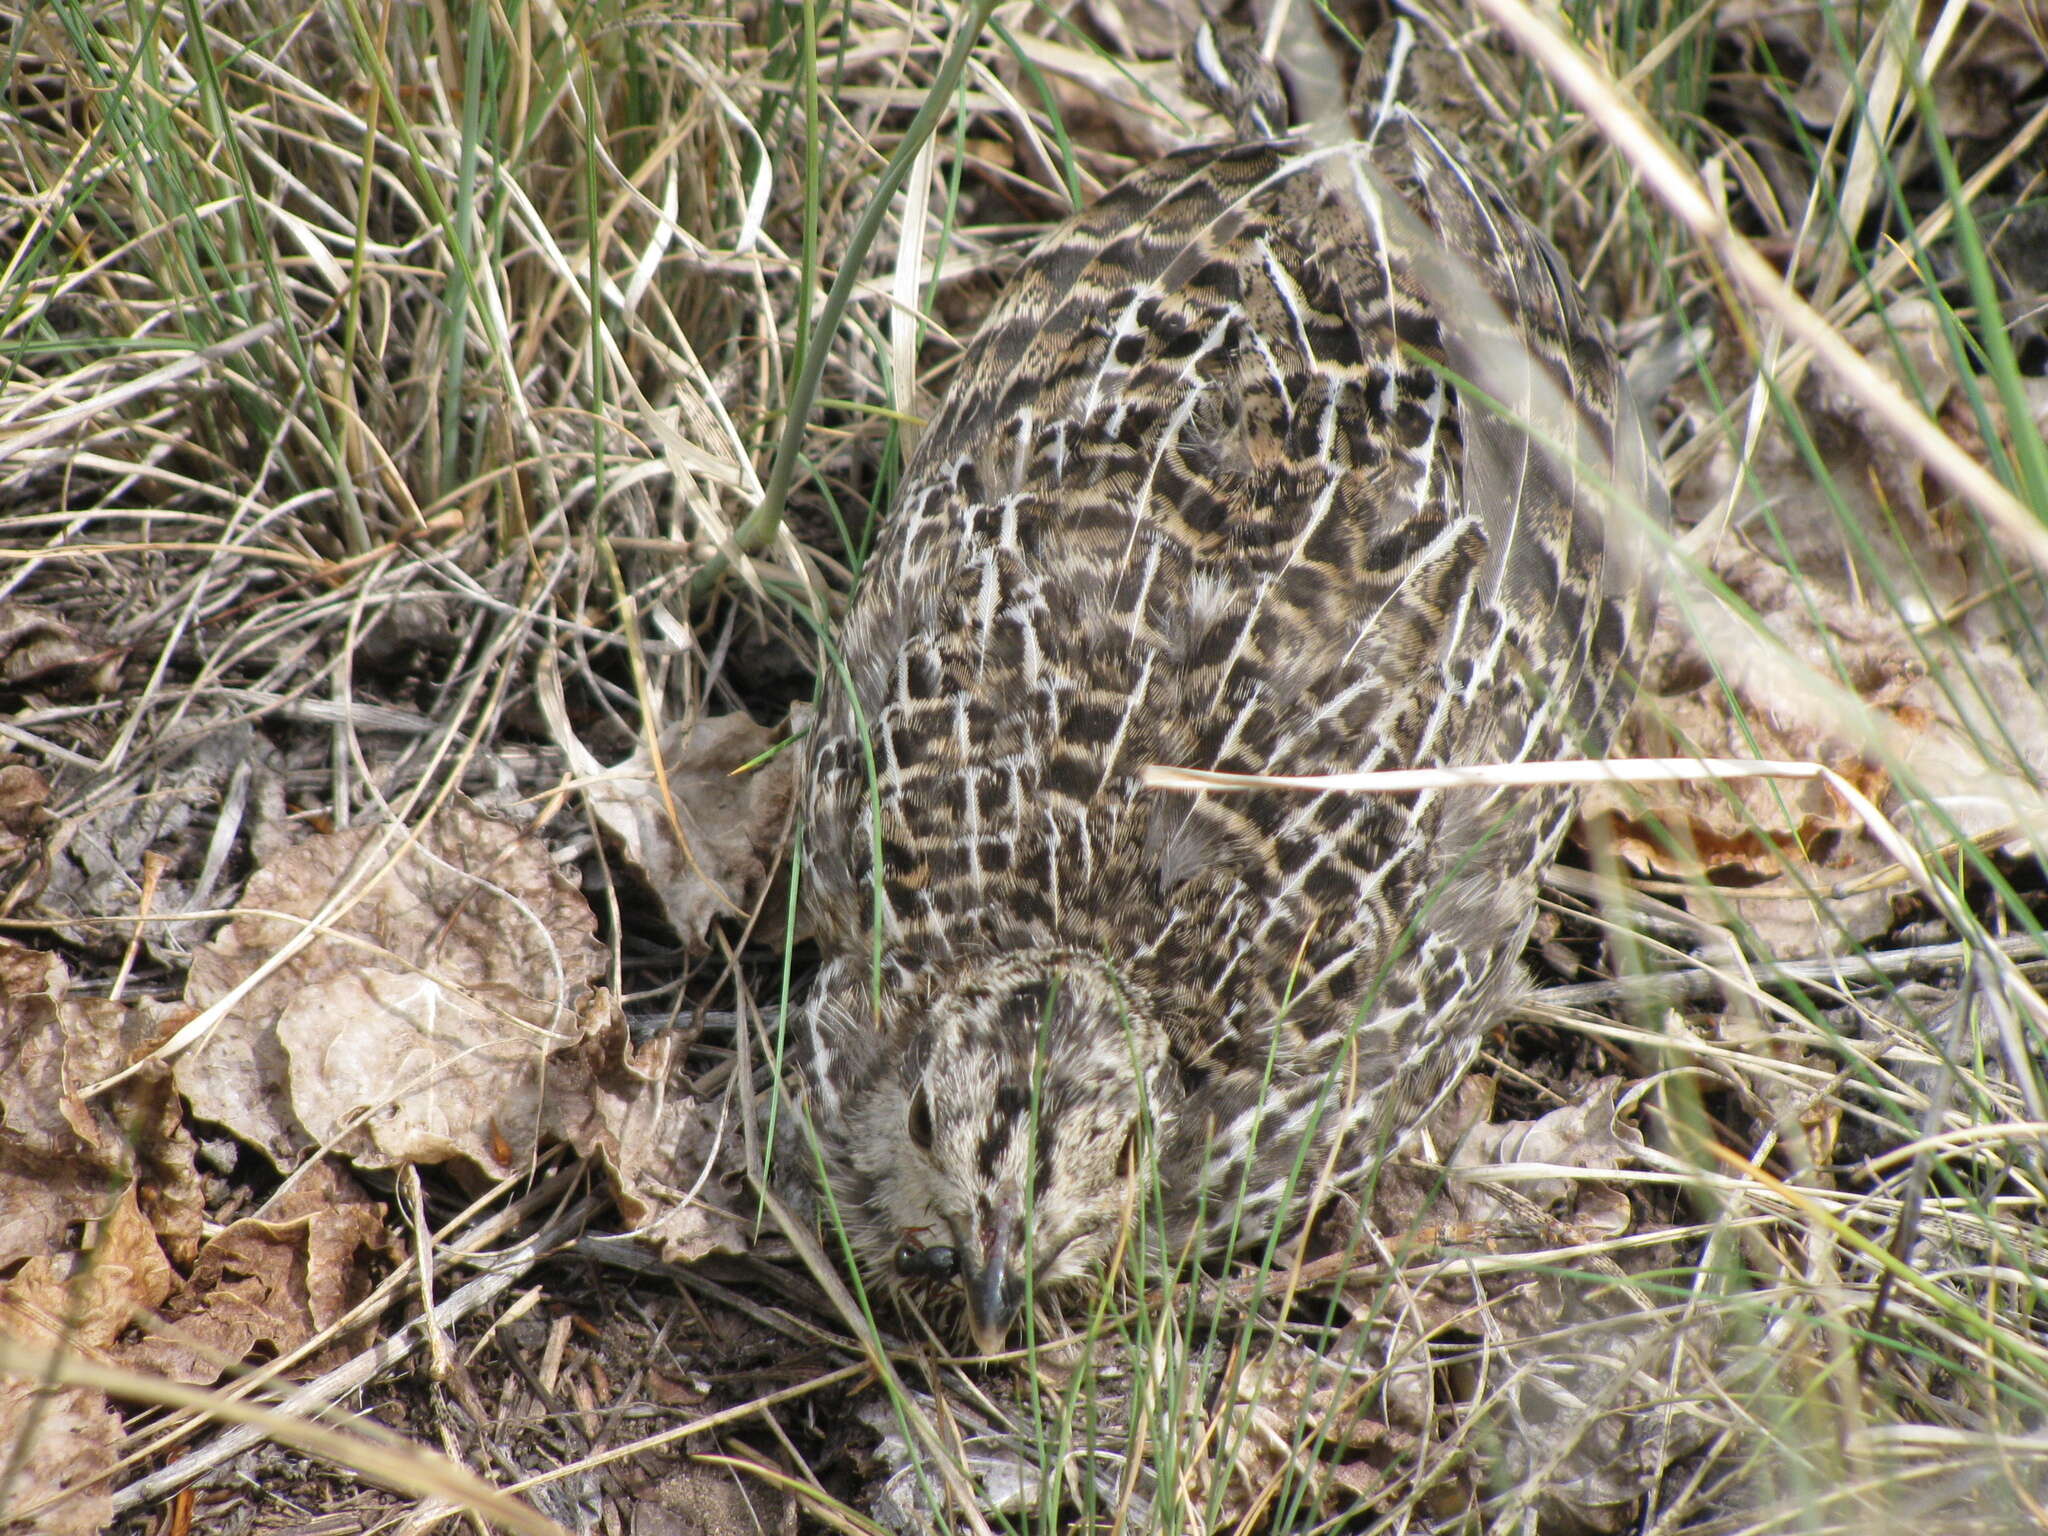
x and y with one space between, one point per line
921 1120
935 1263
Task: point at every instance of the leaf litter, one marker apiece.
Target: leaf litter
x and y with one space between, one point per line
1867 651
449 1010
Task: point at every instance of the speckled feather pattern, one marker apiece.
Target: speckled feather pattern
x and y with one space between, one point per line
1207 493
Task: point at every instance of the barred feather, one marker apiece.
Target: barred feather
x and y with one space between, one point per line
1281 458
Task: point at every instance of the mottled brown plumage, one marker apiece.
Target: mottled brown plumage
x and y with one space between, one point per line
1207 492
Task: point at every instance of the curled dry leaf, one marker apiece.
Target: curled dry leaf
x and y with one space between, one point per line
707 1500
62 1157
1003 1469
1296 1419
1494 1195
714 856
84 1300
1793 837
1601 1391
1592 1387
42 653
1994 58
1955 710
183 811
81 1303
23 821
1949 703
269 1283
392 1068
65 1439
1589 1135
465 926
670 1158
450 1012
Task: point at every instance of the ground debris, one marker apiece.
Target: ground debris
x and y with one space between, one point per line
704 834
449 1012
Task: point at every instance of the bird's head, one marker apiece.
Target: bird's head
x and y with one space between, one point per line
1000 1141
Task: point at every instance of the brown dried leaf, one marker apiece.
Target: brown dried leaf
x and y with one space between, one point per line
40 651
171 809
1588 1134
709 1501
463 1024
1260 1418
668 1157
271 1283
66 1438
1602 1390
1487 1198
84 1301
1146 29
713 858
469 928
389 1068
1796 836
1957 709
23 821
1405 1199
1873 479
1593 1388
62 1156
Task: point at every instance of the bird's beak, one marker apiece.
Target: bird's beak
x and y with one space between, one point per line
993 1292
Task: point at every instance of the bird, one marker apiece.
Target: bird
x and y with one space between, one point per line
1292 454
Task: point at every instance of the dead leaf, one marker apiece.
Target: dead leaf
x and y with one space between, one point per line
713 858
40 651
452 1015
389 1068
1593 1387
66 1438
1289 1388
1795 837
84 1300
1876 497
1487 1199
1588 1134
1601 1391
23 821
465 943
63 1158
1140 110
1952 707
269 1283
1002 1468
671 1161
176 809
1146 29
710 1500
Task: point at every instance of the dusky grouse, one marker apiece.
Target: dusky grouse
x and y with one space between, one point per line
1283 457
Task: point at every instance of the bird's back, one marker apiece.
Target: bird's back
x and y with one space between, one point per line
1239 474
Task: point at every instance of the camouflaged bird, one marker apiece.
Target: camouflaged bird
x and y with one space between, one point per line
1283 457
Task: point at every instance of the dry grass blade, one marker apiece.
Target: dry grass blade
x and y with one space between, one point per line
395 1462
1633 135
